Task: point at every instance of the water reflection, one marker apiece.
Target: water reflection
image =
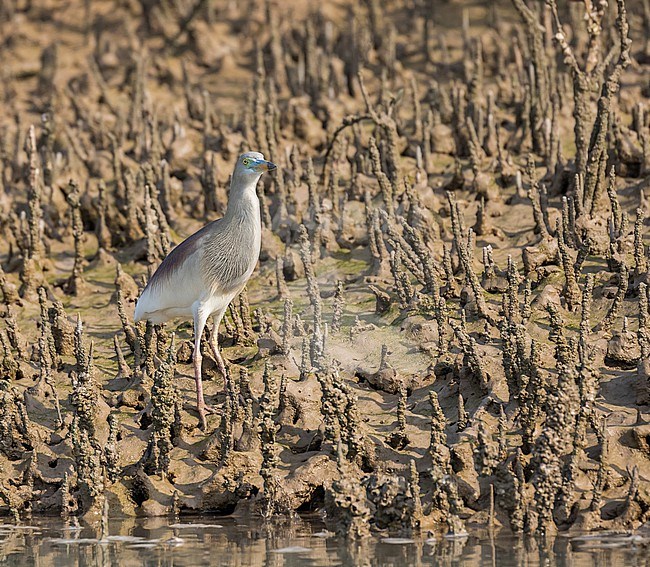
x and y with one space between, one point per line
236 542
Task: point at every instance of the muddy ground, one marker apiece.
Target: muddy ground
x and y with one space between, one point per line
459 205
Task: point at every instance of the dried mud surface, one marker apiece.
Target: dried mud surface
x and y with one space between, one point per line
449 322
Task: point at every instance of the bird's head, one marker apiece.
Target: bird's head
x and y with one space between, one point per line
253 163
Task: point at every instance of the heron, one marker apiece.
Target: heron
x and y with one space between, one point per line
201 276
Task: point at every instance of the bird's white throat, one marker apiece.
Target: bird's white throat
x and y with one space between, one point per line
243 200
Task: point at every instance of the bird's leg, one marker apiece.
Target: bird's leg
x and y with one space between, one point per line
199 325
214 343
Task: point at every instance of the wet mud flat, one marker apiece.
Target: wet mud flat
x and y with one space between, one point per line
448 326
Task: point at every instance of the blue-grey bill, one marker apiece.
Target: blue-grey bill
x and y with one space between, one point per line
263 165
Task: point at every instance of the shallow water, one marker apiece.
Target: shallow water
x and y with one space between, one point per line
237 542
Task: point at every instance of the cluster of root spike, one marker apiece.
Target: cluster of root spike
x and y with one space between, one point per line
449 325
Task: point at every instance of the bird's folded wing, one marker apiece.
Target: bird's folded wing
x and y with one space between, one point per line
176 284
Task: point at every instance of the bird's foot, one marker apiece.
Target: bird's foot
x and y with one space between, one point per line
204 411
203 421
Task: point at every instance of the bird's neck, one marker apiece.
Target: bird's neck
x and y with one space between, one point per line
243 200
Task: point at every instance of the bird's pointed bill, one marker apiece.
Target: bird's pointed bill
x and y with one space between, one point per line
263 165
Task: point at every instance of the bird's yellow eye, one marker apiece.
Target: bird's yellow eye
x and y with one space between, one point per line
246 161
